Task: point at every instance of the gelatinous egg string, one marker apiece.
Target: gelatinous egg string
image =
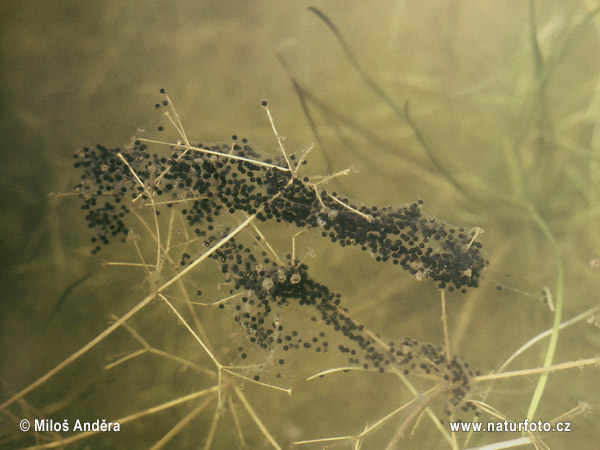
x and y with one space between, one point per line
206 182
260 287
426 247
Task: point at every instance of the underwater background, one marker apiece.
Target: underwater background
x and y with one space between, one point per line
488 112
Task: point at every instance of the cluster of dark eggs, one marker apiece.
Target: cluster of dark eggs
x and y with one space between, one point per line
260 288
223 179
427 248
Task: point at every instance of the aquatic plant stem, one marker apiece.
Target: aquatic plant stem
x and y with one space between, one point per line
445 326
124 420
255 417
560 284
526 372
402 112
79 352
83 350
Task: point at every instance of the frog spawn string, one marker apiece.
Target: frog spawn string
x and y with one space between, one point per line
220 179
260 287
426 247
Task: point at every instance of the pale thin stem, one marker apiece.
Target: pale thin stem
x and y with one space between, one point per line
445 326
441 428
490 410
115 263
139 252
454 442
301 160
279 138
536 339
192 332
260 383
476 232
135 175
256 419
170 233
150 196
147 348
222 242
520 373
201 342
83 350
263 241
147 227
425 400
294 247
336 370
178 125
212 430
220 383
402 377
130 418
175 125
418 422
526 440
388 416
547 333
192 311
70 194
367 217
182 424
548 296
179 200
213 152
167 405
133 333
184 228
330 439
335 175
318 195
182 361
236 421
135 354
218 302
520 291
360 369
243 367
581 408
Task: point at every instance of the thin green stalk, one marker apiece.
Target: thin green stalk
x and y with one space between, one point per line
560 285
401 112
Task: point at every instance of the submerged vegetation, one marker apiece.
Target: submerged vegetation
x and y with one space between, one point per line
255 304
